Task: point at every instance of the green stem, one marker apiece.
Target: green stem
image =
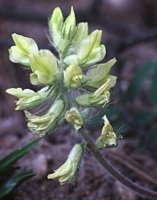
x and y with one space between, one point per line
107 165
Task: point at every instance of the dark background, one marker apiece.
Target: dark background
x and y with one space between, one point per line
130 34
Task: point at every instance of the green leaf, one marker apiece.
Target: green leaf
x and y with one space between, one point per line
153 134
144 117
138 79
10 159
153 88
12 182
140 147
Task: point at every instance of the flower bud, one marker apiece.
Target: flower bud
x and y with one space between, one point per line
81 33
28 98
55 26
68 32
62 33
67 172
88 52
86 46
69 27
98 75
23 48
108 137
44 124
73 76
74 117
44 68
96 55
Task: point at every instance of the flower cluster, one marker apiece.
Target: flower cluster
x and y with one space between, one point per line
76 67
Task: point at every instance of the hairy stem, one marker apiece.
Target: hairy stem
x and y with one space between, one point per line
107 165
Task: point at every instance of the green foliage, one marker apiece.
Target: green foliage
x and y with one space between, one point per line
145 116
9 182
152 90
12 182
153 133
141 75
145 78
142 87
7 162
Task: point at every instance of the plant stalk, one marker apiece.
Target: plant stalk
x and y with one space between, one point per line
107 165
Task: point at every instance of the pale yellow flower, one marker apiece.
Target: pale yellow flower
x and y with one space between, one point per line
74 117
24 47
47 122
28 98
73 76
67 172
44 68
107 138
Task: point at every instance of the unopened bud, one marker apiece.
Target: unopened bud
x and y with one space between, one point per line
67 172
74 117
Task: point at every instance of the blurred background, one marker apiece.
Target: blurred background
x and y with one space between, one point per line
130 34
